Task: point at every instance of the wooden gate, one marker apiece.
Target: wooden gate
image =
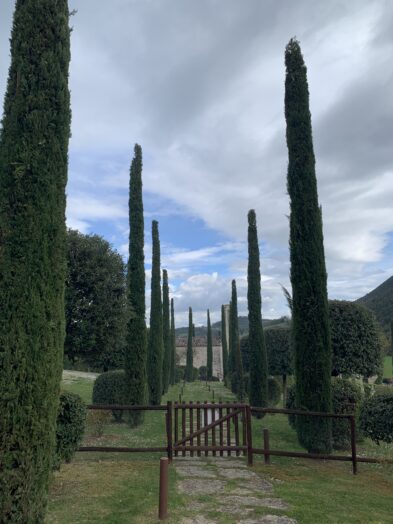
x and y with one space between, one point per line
215 428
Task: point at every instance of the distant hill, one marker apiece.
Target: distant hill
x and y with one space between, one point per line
380 301
243 327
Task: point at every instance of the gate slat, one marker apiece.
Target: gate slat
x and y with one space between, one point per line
205 421
191 427
221 432
214 430
237 443
183 425
229 431
198 426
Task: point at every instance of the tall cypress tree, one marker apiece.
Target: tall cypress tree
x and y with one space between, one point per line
258 360
189 357
155 346
33 175
136 351
166 364
237 366
311 332
172 379
224 345
209 364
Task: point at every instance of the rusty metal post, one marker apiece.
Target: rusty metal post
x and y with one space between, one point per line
353 445
249 437
163 501
266 446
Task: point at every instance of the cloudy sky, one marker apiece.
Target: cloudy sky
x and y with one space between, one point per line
200 85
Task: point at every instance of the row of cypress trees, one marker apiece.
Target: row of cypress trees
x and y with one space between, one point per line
149 363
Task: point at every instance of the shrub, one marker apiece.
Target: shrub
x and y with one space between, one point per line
97 420
203 373
179 373
345 394
110 388
346 398
71 421
376 418
274 391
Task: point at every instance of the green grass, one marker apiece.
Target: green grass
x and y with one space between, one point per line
123 488
387 367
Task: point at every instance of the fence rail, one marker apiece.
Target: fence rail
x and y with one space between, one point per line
225 427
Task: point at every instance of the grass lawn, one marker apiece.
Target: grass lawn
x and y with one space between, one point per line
123 488
387 367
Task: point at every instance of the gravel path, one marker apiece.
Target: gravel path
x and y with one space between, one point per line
72 375
221 488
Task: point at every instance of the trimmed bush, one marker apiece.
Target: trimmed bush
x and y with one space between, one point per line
71 420
110 388
202 373
376 418
274 391
345 393
346 398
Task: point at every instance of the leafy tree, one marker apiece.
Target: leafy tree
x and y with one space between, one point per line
224 345
173 346
258 392
95 302
166 365
237 380
155 347
308 272
356 339
135 360
33 174
209 366
188 376
280 354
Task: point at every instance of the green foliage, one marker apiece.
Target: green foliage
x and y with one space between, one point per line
376 418
237 379
135 359
188 375
202 373
346 397
356 339
166 363
224 344
258 391
279 351
172 377
179 373
71 420
34 139
308 273
155 348
209 366
95 302
245 353
274 391
111 388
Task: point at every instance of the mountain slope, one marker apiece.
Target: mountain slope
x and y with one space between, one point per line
380 301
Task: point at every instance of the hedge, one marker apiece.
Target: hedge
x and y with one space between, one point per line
110 388
71 420
376 418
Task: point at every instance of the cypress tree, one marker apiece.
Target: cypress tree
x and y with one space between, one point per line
224 345
258 360
209 360
189 358
173 346
136 351
33 175
155 346
311 332
166 364
237 366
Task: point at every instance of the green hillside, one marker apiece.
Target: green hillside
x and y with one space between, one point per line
201 331
380 301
